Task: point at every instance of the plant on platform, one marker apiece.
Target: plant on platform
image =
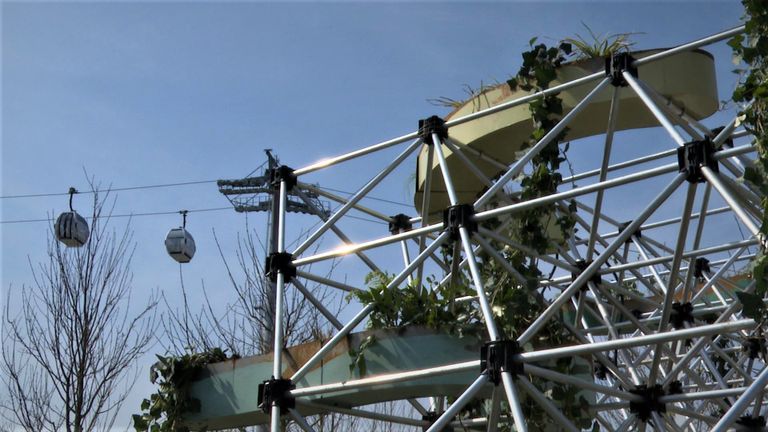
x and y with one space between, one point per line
162 412
598 46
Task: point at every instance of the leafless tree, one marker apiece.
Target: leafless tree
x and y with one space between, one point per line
72 338
238 327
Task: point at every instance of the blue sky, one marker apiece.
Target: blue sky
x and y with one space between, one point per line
149 93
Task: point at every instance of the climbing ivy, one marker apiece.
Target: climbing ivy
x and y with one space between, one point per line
515 304
537 72
751 49
162 412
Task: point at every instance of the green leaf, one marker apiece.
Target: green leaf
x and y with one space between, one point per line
752 305
139 423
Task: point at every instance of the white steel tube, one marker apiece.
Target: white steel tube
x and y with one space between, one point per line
366 310
514 402
277 367
549 199
578 382
697 252
438 147
655 110
612 114
328 346
691 45
621 165
362 413
518 166
743 402
462 400
317 304
525 99
495 412
425 201
341 200
485 306
300 420
470 165
673 276
548 406
598 262
715 181
326 281
669 336
339 233
393 378
355 154
356 197
354 248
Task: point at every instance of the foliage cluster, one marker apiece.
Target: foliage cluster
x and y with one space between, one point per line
515 303
751 48
537 72
162 412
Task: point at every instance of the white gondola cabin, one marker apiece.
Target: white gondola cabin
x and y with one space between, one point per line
180 245
72 229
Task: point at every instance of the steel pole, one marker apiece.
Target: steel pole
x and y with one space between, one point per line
598 262
743 402
518 166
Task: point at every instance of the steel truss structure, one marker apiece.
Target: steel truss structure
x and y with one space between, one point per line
664 374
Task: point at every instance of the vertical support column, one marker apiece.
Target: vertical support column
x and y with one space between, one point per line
277 366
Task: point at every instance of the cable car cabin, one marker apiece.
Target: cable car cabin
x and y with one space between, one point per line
180 245
72 229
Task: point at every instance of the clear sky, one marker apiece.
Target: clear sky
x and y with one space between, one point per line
152 93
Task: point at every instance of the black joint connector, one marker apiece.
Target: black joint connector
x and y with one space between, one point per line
432 125
281 262
638 233
700 266
748 423
675 387
728 143
459 216
582 265
694 155
431 417
754 347
400 223
500 356
649 403
681 313
282 174
600 370
276 392
618 63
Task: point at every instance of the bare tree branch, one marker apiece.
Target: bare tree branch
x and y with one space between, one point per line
70 346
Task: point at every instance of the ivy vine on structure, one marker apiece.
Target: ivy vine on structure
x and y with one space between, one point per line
751 48
173 375
515 303
537 72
